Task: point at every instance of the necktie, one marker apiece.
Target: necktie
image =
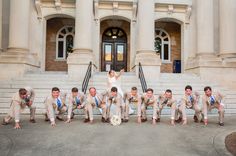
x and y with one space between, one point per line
96 101
212 100
191 98
77 101
59 104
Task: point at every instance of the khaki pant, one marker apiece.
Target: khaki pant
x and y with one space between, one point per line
173 109
182 111
219 107
15 113
89 111
154 113
126 109
61 112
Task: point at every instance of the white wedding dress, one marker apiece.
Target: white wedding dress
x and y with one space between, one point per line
113 82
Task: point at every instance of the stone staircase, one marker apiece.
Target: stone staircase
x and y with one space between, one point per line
43 82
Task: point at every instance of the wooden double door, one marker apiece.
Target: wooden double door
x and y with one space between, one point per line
114 56
114 50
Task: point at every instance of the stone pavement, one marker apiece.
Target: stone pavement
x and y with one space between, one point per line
128 139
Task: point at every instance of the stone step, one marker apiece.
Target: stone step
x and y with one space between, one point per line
165 111
43 82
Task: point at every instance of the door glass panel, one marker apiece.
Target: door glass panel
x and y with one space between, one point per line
120 52
108 49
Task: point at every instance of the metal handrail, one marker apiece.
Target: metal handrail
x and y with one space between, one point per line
86 78
142 78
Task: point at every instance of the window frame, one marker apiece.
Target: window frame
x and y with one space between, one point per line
72 33
164 43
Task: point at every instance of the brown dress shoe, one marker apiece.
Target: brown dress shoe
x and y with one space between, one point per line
86 120
195 118
4 122
32 121
125 120
221 123
103 120
60 119
108 120
144 120
178 120
72 115
46 118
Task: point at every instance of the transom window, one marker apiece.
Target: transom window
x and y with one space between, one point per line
162 44
65 42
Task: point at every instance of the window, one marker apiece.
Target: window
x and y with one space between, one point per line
64 42
162 44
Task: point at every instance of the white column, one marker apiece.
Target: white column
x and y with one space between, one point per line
145 52
205 27
83 25
79 60
19 25
146 25
0 25
227 28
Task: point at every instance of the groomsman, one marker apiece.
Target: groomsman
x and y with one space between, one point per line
116 99
132 98
76 100
149 100
189 101
24 97
55 103
94 100
210 101
167 100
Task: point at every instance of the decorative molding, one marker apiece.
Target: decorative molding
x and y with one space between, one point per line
135 10
38 5
115 7
188 14
58 4
170 9
95 10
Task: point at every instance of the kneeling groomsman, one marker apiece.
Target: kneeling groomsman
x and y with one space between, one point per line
24 97
114 98
94 100
210 101
132 99
149 100
167 100
76 100
189 101
55 103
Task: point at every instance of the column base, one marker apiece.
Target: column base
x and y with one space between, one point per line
150 62
78 62
213 69
14 64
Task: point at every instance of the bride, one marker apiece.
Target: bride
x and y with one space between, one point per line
113 81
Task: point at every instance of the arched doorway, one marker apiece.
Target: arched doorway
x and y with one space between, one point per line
114 49
168 45
59 42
